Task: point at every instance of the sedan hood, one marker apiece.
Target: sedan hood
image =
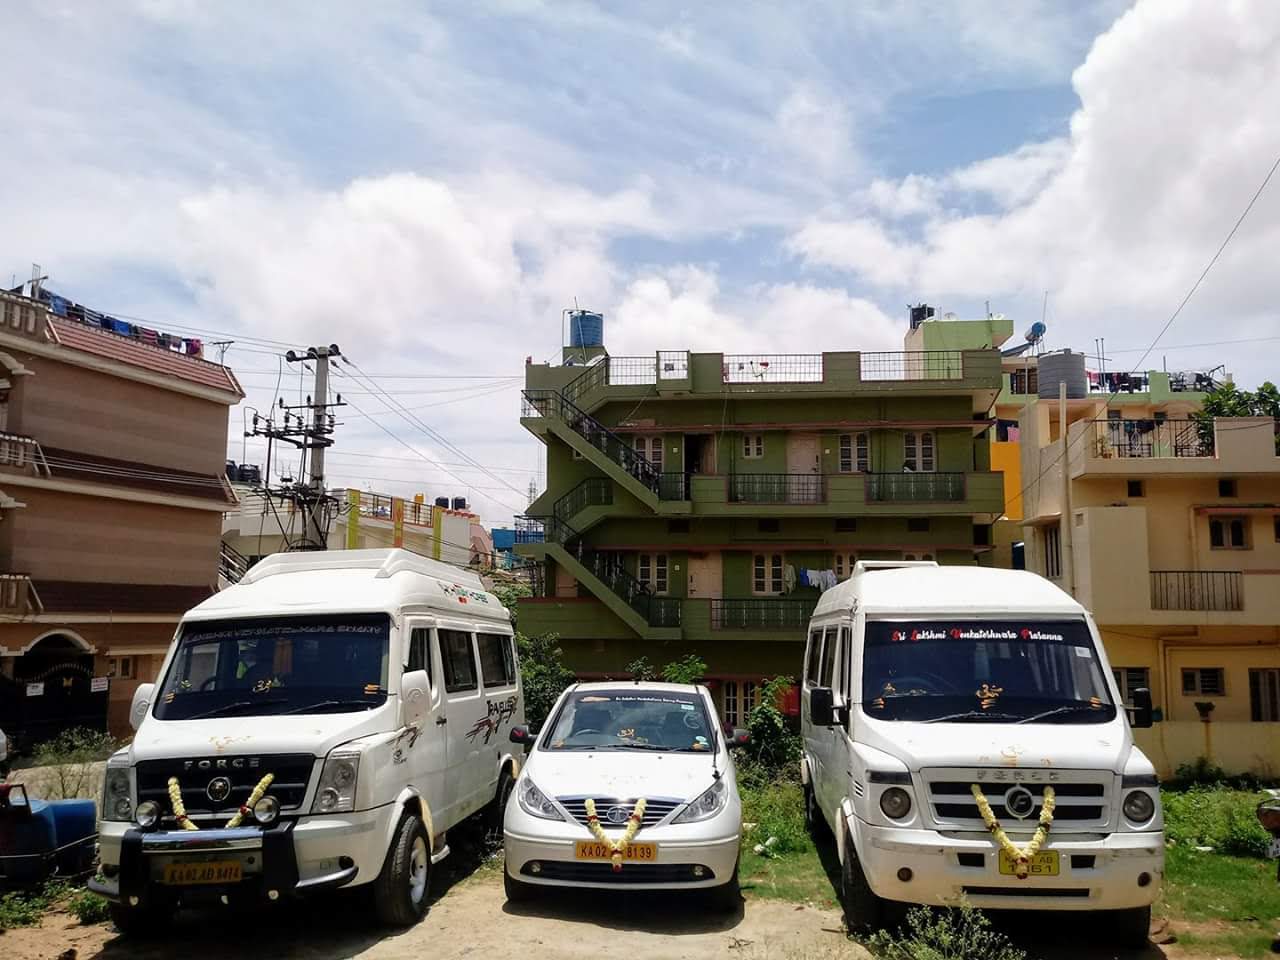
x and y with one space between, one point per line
622 774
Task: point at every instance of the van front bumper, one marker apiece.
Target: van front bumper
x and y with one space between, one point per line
1096 871
290 857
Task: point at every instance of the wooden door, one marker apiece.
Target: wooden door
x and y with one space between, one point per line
706 579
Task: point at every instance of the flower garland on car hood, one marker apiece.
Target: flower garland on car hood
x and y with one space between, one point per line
618 848
1021 856
180 810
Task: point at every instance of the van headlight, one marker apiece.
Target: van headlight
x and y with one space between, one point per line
1139 807
117 793
536 803
895 803
336 792
711 802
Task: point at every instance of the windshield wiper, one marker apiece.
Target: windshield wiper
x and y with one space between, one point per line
238 705
1056 711
971 715
320 705
634 746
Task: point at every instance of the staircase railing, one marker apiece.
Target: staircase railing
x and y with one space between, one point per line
543 403
232 564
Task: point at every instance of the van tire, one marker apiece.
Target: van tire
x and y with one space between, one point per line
813 815
140 922
1132 928
402 890
517 892
864 911
498 806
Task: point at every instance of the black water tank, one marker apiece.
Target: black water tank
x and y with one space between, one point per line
442 502
459 503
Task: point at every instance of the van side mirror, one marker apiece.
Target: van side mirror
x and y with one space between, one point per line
739 738
1142 710
141 704
415 698
822 711
521 735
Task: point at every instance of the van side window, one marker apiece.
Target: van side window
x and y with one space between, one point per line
815 657
420 653
845 678
828 658
496 665
458 660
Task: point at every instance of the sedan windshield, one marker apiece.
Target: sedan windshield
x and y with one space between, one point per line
273 666
631 719
967 671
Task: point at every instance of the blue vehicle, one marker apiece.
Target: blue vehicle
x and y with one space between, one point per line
41 840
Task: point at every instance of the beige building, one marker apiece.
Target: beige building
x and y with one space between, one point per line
1169 532
111 496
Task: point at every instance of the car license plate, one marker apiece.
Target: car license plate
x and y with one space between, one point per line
635 852
1043 864
191 874
1273 851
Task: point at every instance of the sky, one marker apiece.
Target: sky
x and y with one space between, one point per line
430 185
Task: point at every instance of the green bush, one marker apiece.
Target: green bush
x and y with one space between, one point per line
773 746
962 933
25 908
688 669
1202 770
777 810
641 669
1215 816
69 760
543 675
88 907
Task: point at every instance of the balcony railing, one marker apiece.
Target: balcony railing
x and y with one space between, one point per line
773 368
18 595
761 613
615 372
529 530
592 492
777 488
1197 590
673 486
915 487
913 365
1152 439
673 364
380 506
22 452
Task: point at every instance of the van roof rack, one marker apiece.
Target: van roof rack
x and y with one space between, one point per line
381 563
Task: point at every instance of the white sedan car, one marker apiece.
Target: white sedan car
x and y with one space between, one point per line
628 785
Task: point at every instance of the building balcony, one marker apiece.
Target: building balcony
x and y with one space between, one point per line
1197 590
762 613
691 620
915 487
18 596
979 494
1172 448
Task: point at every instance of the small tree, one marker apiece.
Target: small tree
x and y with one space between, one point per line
688 669
1228 401
543 675
69 763
641 669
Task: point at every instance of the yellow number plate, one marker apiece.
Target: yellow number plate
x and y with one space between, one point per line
190 874
637 852
1043 864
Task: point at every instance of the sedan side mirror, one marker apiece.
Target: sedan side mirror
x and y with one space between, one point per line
740 738
822 707
141 704
1142 710
521 735
415 697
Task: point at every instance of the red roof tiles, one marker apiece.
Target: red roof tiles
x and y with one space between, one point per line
135 353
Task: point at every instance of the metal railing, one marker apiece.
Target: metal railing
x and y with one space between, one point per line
18 596
773 368
777 488
1197 590
762 613
915 487
673 486
22 452
1152 439
381 506
592 492
612 372
912 365
673 364
530 530
549 403
232 564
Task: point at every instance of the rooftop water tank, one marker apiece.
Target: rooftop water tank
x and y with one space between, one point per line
459 503
1064 367
442 502
586 329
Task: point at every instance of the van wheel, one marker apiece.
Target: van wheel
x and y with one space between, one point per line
147 921
813 815
1132 928
498 807
516 891
400 892
863 911
727 897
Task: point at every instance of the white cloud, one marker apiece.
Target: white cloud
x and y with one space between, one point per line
860 246
816 126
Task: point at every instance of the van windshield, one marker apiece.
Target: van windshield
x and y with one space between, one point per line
275 666
973 671
631 719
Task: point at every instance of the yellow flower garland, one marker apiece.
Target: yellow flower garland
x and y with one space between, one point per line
180 810
618 848
1021 856
254 797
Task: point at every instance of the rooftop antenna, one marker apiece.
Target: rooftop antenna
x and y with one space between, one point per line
222 346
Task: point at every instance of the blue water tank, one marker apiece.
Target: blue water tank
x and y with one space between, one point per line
586 329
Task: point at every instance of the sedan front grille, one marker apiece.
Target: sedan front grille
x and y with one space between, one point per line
656 809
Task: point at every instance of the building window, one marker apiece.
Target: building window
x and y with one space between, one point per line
917 556
844 565
1024 381
769 526
918 452
740 698
651 449
855 453
1135 488
121 668
1052 553
753 445
918 525
677 526
1203 681
1129 679
767 573
1264 695
1226 487
1276 521
1229 533
850 525
653 572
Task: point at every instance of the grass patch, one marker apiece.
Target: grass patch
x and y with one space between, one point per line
1215 816
24 908
791 868
88 907
1218 902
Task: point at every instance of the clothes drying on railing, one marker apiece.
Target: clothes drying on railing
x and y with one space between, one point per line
822 579
62 307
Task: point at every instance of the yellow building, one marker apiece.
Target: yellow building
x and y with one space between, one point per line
1169 532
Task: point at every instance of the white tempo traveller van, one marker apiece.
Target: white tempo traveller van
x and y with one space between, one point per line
964 737
321 724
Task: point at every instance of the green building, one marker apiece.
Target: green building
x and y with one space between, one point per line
697 502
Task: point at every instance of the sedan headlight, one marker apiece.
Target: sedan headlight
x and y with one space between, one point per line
336 792
535 803
1139 807
711 802
117 793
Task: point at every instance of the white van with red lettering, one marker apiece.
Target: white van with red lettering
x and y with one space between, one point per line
320 725
964 737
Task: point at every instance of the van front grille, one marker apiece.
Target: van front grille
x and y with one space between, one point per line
1081 797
